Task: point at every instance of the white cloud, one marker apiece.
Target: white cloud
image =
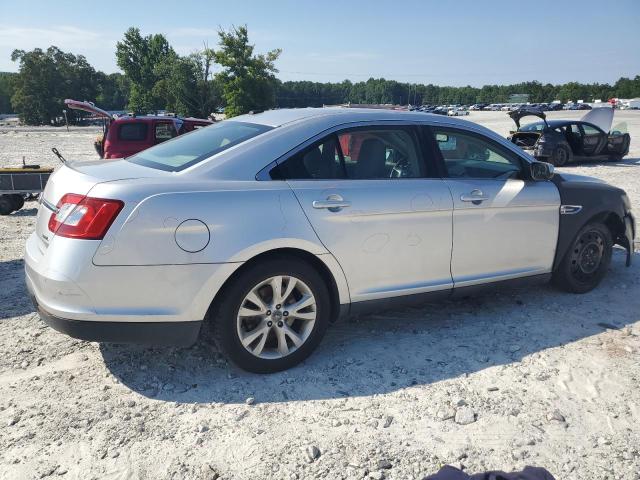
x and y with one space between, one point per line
98 46
63 36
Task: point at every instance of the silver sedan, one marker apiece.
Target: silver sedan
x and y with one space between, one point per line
265 228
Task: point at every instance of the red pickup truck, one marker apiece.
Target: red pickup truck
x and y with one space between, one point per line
130 134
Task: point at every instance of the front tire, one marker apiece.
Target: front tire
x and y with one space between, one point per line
272 316
586 263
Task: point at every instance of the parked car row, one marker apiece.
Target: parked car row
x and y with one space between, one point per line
450 110
497 107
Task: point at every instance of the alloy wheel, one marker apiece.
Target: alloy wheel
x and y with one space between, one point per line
276 317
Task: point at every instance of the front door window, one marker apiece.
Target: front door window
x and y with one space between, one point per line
467 155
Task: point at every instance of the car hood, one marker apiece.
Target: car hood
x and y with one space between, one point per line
601 117
516 115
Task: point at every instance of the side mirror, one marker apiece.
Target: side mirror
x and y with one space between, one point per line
541 171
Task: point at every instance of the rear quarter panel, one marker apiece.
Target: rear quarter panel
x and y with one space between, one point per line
244 219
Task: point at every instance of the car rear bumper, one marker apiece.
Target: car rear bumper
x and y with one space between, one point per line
150 333
68 285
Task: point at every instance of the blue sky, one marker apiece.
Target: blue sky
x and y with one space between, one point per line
464 42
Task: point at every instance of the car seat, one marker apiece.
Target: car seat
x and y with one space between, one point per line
372 160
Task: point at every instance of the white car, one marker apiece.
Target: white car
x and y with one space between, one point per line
457 112
265 229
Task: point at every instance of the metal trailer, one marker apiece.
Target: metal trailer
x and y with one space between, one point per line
18 183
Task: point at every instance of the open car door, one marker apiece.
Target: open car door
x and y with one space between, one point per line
87 107
618 140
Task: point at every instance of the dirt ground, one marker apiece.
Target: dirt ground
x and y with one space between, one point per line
499 381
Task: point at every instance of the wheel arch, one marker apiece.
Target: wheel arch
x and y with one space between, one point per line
324 264
609 218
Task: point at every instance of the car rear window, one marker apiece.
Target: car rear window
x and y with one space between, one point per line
191 148
132 132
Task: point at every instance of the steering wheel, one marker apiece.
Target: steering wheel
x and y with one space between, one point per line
399 168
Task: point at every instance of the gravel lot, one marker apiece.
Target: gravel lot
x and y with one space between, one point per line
510 378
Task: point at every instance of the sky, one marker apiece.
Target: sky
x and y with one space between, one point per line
454 42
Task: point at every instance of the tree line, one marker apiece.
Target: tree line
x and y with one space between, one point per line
381 91
156 78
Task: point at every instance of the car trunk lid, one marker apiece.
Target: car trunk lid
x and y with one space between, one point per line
80 178
516 115
87 107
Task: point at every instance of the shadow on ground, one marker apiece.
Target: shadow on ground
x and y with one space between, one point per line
381 353
14 299
625 162
26 212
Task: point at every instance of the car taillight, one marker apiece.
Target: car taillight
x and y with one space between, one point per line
83 217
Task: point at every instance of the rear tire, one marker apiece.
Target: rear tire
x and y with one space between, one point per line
6 204
587 260
275 338
562 155
18 202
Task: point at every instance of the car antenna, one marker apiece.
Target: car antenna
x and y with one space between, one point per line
58 154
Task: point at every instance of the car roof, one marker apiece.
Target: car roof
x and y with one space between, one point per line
149 118
277 118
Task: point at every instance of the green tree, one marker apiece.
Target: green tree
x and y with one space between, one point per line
248 80
7 87
186 84
113 91
208 89
144 60
627 88
45 79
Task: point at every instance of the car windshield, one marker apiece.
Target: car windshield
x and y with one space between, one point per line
187 150
533 127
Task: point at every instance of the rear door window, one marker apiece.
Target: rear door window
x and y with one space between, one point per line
164 131
589 130
320 161
133 132
381 153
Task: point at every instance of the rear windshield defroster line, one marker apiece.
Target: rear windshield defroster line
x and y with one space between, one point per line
186 150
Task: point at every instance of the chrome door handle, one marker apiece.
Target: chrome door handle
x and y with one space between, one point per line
333 203
476 196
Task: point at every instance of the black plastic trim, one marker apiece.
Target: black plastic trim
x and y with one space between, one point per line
180 334
367 306
598 201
